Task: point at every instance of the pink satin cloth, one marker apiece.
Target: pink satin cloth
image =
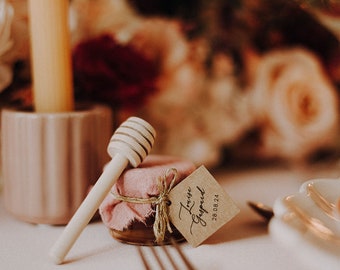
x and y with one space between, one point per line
140 182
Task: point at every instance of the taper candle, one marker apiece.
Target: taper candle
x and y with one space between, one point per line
51 56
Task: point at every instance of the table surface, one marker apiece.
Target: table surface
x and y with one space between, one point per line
243 243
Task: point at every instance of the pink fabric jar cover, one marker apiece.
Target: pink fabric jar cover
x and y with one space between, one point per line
140 182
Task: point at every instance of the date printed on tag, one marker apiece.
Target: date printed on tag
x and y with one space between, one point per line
200 206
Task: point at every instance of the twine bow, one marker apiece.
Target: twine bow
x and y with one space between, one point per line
162 221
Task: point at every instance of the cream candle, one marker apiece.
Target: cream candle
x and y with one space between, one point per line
51 56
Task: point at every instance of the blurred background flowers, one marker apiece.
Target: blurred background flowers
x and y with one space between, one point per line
222 81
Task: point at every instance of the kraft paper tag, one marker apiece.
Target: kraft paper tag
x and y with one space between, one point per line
200 206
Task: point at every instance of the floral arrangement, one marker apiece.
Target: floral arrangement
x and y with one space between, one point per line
220 80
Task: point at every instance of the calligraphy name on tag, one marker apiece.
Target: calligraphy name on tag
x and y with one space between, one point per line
200 206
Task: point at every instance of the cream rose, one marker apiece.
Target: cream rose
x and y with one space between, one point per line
178 74
6 17
92 18
173 108
14 38
227 116
294 103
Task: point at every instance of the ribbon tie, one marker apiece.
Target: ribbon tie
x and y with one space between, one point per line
162 221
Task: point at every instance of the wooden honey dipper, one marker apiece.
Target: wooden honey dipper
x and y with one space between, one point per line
130 144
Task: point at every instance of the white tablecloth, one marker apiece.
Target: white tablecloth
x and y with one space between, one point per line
243 243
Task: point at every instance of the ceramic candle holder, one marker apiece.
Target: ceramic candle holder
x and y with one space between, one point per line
50 160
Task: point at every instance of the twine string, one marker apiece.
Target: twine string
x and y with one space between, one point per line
162 221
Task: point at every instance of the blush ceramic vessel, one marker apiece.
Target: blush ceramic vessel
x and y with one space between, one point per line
51 160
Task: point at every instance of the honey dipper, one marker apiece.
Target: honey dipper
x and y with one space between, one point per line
130 144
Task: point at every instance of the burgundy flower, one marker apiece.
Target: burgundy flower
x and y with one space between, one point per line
112 73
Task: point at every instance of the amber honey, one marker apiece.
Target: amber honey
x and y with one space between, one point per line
142 234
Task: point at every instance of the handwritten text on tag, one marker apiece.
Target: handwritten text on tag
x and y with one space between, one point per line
200 206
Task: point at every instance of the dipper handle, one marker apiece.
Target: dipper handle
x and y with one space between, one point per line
130 144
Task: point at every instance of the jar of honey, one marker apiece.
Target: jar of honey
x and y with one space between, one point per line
129 210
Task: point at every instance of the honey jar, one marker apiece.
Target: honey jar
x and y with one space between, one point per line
129 209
